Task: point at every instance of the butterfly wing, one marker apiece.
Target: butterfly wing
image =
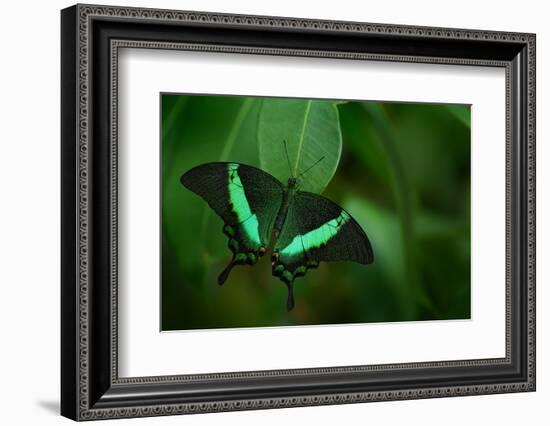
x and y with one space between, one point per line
315 230
246 198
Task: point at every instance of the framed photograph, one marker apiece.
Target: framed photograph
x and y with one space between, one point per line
263 212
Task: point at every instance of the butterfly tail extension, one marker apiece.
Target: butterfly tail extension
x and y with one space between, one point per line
222 278
290 297
288 280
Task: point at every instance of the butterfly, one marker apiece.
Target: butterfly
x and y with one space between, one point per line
256 208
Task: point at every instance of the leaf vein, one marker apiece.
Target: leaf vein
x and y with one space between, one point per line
302 136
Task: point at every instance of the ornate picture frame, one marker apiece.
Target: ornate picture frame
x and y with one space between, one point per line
91 38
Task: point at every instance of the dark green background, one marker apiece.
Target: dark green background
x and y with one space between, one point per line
404 175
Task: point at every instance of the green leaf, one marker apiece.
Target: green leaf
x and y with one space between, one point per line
311 129
462 112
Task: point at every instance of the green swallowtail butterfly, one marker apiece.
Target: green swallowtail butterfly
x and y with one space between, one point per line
257 209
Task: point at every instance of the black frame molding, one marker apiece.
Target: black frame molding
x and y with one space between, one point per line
90 38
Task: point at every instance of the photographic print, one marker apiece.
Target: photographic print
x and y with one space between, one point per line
279 211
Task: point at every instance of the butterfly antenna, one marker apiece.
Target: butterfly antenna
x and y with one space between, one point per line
288 159
311 167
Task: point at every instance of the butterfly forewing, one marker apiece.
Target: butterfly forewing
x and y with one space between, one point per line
246 198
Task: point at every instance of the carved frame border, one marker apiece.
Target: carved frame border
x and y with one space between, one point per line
85 409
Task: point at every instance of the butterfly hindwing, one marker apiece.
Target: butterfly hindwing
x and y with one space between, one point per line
315 230
246 198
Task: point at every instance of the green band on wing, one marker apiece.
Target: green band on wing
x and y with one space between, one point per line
316 237
241 208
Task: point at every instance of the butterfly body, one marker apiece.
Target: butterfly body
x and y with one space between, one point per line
288 196
256 208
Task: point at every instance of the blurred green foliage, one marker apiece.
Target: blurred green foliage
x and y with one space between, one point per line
403 174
